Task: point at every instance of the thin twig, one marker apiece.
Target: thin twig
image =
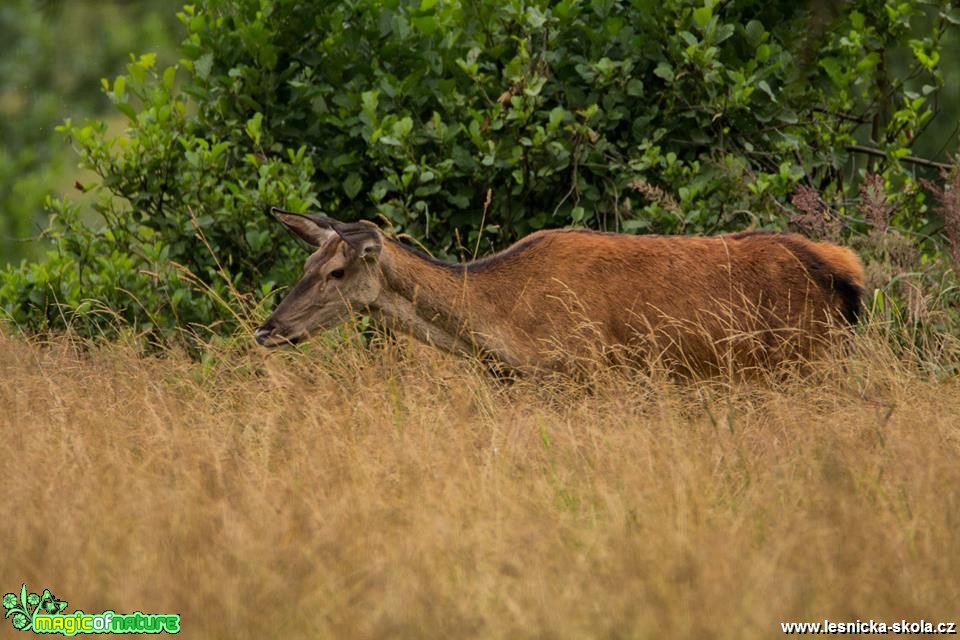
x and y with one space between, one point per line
879 153
842 116
483 220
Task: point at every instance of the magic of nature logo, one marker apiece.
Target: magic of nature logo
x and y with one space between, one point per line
44 613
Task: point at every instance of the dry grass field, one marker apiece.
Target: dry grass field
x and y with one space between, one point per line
399 493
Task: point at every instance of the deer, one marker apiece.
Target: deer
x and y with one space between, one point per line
746 299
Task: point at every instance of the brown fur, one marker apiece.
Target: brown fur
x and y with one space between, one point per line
700 303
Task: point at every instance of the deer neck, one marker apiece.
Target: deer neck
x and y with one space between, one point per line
436 303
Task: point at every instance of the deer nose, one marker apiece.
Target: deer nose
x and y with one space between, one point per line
262 334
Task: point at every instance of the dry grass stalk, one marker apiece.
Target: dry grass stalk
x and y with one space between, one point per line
397 492
655 194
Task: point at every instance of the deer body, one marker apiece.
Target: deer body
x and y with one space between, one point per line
750 297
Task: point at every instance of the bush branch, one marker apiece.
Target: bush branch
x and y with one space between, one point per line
870 151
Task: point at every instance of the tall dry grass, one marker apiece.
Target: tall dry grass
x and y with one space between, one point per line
395 492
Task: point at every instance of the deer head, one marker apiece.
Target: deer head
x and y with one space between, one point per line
340 277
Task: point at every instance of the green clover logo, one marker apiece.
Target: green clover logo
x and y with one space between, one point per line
24 609
51 605
20 622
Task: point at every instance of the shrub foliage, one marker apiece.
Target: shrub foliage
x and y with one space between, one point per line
644 116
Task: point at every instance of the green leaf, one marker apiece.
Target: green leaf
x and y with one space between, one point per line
702 16
370 100
352 185
534 86
833 69
723 32
459 201
857 20
763 86
257 238
665 71
557 115
169 77
755 32
425 24
203 65
689 38
127 110
402 128
254 127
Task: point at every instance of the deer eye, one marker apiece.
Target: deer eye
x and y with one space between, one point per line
336 273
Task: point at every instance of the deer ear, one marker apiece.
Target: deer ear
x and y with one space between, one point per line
314 230
363 237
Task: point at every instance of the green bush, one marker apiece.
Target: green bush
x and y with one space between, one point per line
642 116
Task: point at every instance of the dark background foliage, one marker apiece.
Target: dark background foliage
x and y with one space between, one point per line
640 117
